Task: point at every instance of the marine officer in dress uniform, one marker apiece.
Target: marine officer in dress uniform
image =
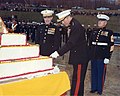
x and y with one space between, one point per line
47 35
102 45
77 45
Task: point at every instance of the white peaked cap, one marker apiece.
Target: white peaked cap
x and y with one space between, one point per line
103 17
63 14
47 12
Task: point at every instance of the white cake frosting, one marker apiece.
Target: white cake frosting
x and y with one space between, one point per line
25 68
12 39
18 52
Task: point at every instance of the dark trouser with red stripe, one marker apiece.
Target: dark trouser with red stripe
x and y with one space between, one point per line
77 87
98 72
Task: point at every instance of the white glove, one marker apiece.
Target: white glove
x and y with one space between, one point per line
106 61
56 70
54 55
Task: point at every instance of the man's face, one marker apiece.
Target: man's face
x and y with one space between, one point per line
102 23
48 20
65 22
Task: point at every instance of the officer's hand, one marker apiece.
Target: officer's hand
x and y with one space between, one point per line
54 55
106 61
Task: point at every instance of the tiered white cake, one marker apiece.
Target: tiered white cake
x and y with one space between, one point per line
19 59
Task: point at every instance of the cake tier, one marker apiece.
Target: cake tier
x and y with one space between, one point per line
26 67
12 39
18 52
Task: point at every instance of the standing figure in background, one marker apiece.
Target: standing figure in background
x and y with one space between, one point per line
88 33
94 26
77 46
33 31
47 35
101 45
14 27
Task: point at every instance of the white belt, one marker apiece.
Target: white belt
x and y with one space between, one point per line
99 43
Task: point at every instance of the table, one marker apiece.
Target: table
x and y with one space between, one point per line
51 85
